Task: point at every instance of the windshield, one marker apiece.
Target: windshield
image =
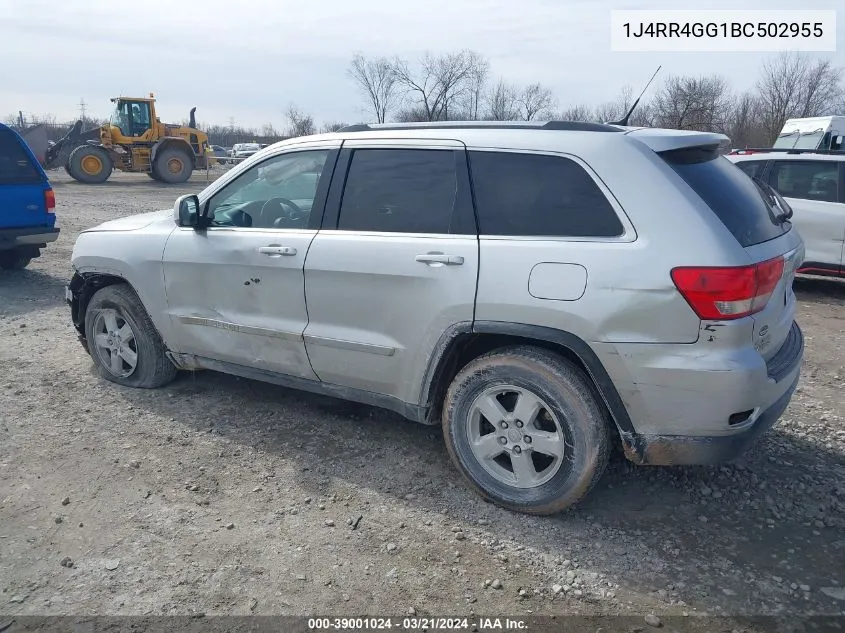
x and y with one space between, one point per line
797 140
810 140
117 119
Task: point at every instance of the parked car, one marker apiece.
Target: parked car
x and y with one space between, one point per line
540 290
244 150
27 203
813 184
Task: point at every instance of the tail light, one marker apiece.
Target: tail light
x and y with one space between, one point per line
50 200
722 294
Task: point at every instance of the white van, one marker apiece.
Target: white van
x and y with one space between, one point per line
822 132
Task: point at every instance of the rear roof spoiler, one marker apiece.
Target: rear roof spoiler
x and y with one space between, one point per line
665 140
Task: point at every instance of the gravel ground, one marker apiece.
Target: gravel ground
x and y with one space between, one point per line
219 495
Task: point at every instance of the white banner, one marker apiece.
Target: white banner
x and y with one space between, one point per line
666 30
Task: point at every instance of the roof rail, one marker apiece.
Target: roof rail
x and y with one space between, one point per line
571 126
785 150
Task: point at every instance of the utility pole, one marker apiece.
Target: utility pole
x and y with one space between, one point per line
20 118
82 106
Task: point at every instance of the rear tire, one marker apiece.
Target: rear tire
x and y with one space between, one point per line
89 164
173 166
14 260
123 342
550 443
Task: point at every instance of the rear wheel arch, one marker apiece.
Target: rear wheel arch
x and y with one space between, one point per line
465 342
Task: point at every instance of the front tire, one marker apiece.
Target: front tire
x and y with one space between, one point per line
123 342
89 164
526 429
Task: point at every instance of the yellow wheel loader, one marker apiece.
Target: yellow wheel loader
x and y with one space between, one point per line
133 140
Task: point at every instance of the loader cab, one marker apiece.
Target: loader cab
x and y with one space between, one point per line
133 117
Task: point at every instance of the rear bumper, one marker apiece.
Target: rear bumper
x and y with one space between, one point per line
783 373
684 450
27 236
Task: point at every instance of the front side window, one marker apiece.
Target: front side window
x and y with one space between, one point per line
539 195
806 179
276 194
400 191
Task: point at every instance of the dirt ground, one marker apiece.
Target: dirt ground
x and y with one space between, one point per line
219 495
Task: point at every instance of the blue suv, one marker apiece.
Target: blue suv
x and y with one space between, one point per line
27 203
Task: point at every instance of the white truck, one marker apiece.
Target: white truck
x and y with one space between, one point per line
814 133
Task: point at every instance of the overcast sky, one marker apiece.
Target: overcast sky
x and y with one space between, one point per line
250 59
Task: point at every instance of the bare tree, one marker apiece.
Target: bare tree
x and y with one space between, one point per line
502 102
476 85
745 127
299 123
268 130
693 103
377 81
413 114
793 85
439 83
332 126
577 113
535 100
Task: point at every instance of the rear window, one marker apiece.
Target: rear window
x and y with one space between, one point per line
734 197
15 164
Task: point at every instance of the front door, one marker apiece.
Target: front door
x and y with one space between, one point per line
395 264
235 290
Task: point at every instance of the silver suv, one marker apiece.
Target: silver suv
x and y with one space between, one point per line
543 291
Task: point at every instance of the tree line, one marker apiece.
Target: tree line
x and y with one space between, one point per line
459 86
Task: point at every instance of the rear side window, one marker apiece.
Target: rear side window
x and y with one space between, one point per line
754 168
806 179
735 199
400 191
15 164
539 195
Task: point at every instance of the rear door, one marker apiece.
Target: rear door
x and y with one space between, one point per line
22 184
814 190
395 264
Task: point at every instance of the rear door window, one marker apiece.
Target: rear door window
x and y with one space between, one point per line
739 202
806 179
401 191
15 164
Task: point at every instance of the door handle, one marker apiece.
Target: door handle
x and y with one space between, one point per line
276 251
440 258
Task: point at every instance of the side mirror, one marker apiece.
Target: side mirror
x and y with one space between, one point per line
187 210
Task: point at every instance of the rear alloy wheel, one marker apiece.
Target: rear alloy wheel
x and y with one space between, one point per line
90 164
173 166
123 342
525 428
